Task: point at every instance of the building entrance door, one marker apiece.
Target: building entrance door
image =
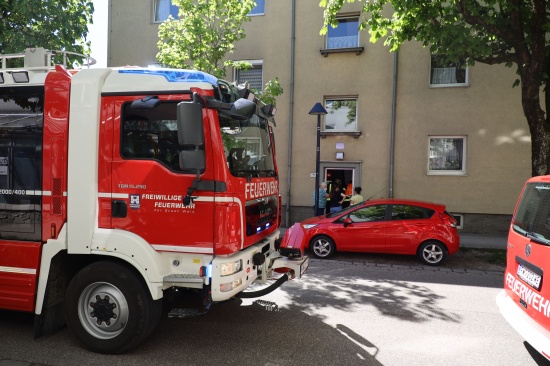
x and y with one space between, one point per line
344 179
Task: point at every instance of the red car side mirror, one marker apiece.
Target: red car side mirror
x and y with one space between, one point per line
347 222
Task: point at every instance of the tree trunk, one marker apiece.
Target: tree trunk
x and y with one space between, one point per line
540 134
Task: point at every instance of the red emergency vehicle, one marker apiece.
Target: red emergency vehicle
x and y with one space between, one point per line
525 300
119 185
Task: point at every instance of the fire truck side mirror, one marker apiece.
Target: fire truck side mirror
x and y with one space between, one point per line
192 160
190 126
243 109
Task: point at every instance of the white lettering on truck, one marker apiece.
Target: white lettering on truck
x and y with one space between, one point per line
260 189
167 201
538 302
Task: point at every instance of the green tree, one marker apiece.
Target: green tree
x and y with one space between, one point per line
204 33
52 24
515 33
202 36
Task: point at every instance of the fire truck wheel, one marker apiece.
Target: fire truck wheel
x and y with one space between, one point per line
322 246
432 253
108 309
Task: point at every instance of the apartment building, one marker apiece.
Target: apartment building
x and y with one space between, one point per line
404 125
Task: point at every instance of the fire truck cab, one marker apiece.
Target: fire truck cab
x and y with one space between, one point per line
118 185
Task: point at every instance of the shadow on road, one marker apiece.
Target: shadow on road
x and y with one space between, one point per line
230 334
405 301
293 331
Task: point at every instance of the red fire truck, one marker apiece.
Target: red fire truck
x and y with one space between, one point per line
121 185
525 300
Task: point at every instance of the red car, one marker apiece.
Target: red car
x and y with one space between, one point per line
385 226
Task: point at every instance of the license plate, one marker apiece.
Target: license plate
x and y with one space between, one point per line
304 266
529 277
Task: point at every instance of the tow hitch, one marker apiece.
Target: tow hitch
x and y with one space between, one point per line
291 262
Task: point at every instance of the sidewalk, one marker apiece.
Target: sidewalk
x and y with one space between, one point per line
467 241
483 241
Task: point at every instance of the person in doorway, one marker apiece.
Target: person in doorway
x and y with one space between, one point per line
356 198
322 199
328 201
348 192
337 198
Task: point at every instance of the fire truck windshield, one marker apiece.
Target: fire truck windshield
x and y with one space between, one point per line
532 217
247 146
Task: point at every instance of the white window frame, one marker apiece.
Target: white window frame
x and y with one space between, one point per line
335 98
155 3
450 85
461 172
253 63
339 18
257 14
460 220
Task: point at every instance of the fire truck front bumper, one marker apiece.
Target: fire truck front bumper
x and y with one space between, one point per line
233 274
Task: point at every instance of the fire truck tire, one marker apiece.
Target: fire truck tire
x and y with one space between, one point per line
108 308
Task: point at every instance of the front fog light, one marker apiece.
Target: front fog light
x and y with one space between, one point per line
226 287
227 269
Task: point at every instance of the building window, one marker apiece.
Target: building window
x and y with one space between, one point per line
341 114
162 9
444 73
346 35
253 75
259 8
447 155
459 220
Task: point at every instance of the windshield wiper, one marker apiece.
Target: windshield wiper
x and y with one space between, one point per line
271 173
538 238
252 172
520 230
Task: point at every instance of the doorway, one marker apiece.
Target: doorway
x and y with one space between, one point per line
345 172
343 175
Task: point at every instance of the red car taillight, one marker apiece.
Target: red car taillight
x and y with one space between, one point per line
447 219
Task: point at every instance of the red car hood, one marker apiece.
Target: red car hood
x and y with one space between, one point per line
313 220
294 238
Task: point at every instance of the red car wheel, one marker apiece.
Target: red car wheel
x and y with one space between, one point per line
322 247
432 253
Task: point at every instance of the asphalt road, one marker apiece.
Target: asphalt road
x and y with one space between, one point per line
340 313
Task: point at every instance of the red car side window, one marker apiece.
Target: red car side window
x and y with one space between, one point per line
369 214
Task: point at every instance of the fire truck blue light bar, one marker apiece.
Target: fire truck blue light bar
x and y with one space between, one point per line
175 76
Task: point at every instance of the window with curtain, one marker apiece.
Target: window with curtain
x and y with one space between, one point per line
345 35
447 155
162 9
253 75
341 114
259 8
444 73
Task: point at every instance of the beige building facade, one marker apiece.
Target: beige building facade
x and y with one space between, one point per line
400 125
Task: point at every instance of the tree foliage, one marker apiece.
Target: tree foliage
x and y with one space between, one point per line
351 106
202 36
52 24
515 33
204 33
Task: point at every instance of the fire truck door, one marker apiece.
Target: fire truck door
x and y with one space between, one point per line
148 186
